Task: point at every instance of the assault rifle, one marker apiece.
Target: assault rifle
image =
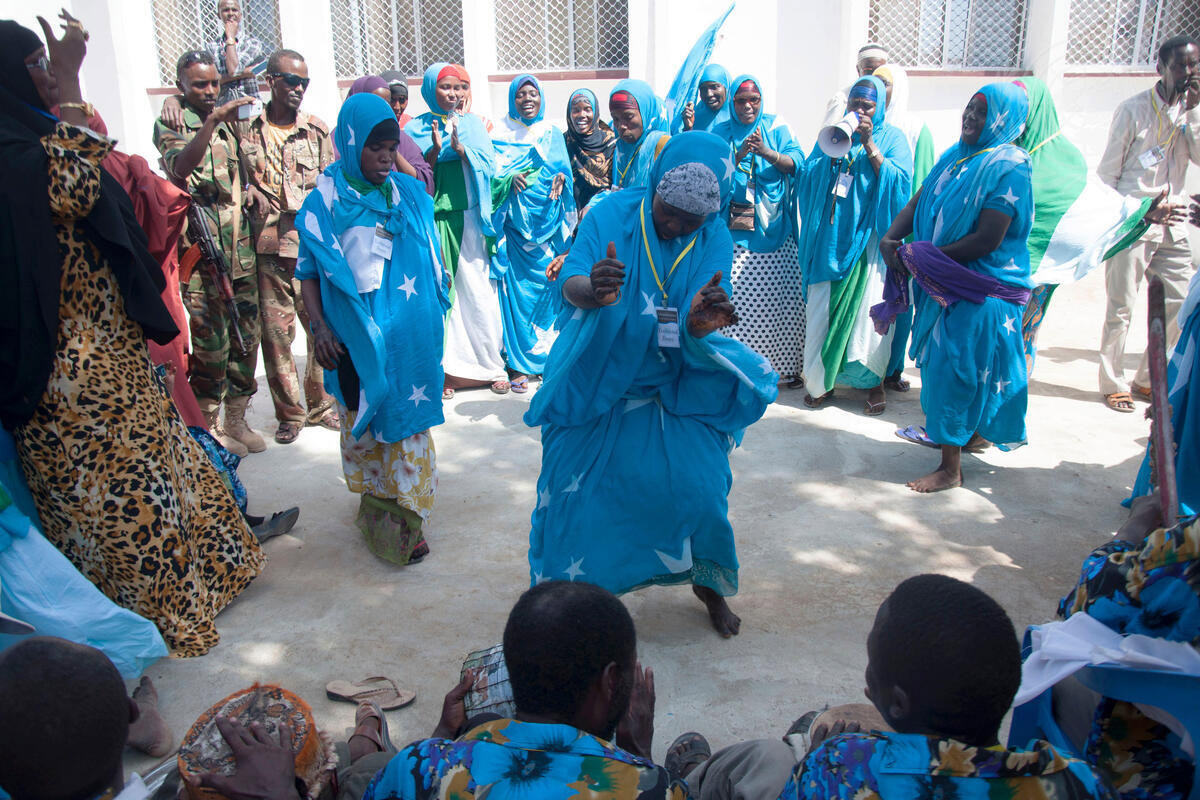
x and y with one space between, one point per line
216 269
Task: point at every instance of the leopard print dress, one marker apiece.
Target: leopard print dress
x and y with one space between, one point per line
121 487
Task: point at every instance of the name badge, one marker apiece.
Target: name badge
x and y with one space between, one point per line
381 244
750 191
1151 157
842 187
668 327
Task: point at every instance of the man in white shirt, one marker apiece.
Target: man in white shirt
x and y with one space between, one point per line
1154 135
871 57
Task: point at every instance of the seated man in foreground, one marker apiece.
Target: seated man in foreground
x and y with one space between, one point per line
943 667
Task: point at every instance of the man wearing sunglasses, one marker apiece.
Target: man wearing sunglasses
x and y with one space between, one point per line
284 151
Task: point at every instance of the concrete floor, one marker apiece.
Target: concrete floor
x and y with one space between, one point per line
825 529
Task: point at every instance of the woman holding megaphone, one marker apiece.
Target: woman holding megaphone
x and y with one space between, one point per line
848 199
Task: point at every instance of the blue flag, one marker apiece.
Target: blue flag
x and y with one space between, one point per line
687 80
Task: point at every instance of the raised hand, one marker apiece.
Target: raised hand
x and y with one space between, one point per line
711 309
228 112
608 275
689 116
66 54
865 128
635 733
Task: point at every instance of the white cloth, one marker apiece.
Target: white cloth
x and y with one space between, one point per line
135 789
1060 649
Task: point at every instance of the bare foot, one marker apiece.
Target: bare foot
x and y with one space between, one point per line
938 480
876 401
723 619
149 733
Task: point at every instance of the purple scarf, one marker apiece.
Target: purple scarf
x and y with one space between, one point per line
942 278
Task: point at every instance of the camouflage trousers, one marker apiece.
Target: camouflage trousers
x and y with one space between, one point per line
217 371
280 303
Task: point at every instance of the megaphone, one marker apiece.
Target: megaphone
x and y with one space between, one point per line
834 140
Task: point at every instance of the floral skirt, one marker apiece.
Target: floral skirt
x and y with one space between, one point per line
398 483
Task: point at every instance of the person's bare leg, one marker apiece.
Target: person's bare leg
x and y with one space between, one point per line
946 476
723 619
149 732
362 740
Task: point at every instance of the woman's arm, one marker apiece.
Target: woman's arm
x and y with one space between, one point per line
901 227
326 347
987 236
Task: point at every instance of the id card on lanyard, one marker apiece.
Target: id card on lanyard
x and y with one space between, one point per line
666 317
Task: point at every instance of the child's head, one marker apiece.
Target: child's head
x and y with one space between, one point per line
378 153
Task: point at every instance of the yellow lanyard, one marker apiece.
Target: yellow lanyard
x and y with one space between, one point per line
646 241
1158 124
968 158
1047 140
632 158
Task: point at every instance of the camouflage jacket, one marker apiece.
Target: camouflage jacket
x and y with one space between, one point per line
307 151
216 185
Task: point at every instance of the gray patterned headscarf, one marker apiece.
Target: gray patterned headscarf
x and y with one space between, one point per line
692 188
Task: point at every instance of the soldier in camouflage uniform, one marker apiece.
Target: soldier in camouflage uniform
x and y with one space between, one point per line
284 152
204 158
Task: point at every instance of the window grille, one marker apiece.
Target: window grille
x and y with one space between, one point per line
182 25
951 34
370 36
1126 33
561 34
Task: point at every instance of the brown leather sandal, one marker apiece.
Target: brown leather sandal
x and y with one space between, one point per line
288 432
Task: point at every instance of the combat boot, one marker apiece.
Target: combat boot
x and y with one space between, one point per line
237 427
213 418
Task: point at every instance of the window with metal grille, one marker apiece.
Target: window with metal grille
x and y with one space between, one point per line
951 34
370 36
182 25
1126 33
562 34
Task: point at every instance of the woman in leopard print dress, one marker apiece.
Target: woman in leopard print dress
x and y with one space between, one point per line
120 485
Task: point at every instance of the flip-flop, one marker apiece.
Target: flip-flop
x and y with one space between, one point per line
874 409
688 751
447 393
519 385
501 386
915 434
330 421
897 384
817 402
794 383
378 689
1112 401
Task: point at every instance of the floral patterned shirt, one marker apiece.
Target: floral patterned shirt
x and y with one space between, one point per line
1151 588
908 766
510 759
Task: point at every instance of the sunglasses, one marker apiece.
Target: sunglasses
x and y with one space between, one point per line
42 63
291 79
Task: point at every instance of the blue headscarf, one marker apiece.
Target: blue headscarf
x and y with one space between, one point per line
828 251
605 354
471 133
514 87
705 118
393 333
631 166
774 191
962 178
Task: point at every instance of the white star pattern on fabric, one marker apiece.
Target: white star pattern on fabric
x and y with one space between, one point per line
538 578
418 396
662 357
765 367
574 485
350 141
313 225
727 161
578 314
677 565
983 375
545 340
1001 384
998 122
574 570
1012 264
407 287
544 498
1008 324
1009 197
649 309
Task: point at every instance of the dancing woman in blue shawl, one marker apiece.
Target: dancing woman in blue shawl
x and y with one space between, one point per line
457 145
641 128
762 219
643 400
376 293
970 265
714 107
846 205
535 214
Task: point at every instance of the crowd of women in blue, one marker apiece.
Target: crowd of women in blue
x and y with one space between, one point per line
664 288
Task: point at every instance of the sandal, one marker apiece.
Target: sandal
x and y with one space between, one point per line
1120 401
915 434
330 420
794 383
1141 392
501 386
288 432
519 384
817 402
875 409
896 383
379 738
378 689
688 751
447 393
